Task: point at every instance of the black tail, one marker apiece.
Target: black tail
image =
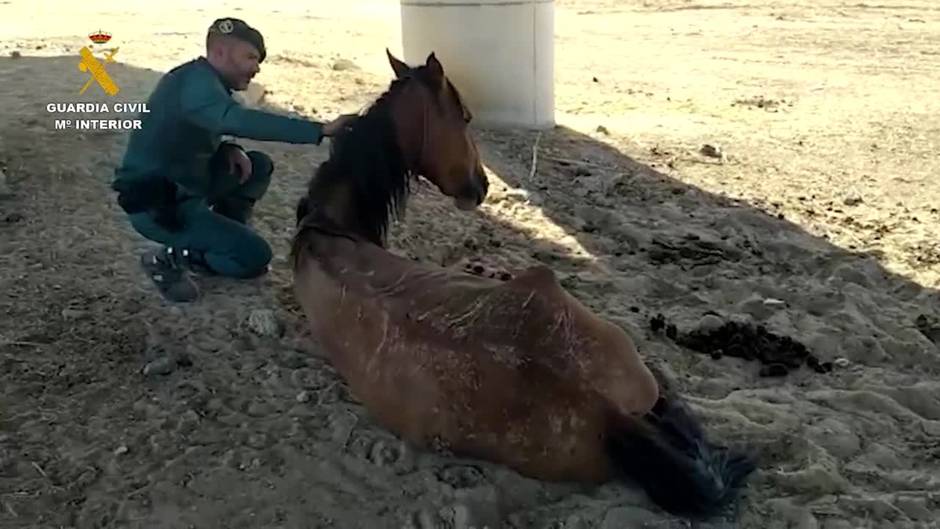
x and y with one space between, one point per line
667 454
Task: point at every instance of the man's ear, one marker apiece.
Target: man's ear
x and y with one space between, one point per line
401 69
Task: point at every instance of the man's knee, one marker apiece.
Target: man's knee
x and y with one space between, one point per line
261 169
262 166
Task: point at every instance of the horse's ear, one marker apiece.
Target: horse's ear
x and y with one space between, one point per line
401 69
434 68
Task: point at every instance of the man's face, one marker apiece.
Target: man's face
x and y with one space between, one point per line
240 60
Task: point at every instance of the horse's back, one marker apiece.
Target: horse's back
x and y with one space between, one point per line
529 322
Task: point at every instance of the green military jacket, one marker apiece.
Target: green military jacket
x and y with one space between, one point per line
190 110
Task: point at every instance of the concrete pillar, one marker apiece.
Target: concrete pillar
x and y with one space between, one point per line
499 54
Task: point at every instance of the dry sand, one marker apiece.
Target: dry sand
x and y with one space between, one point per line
819 221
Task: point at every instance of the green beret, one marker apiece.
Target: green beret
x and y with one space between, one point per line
241 30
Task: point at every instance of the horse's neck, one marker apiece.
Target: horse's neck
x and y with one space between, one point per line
410 132
334 209
334 195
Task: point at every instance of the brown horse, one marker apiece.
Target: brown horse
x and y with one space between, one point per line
516 372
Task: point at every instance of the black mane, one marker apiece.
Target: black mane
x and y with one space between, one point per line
368 158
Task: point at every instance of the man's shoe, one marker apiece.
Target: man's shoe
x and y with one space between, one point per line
238 209
168 273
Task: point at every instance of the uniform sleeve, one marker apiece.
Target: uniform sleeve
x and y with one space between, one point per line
205 103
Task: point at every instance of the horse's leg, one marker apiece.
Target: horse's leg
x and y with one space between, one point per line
668 454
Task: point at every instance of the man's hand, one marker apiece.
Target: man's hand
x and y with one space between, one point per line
237 158
338 124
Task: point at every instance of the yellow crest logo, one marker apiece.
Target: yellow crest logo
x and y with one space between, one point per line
95 68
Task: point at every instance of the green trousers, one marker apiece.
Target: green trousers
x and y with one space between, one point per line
214 229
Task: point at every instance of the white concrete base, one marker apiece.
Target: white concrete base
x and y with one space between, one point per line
499 54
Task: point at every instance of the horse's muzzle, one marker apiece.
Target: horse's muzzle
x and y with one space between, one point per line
474 194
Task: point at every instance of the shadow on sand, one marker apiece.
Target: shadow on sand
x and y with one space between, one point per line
659 245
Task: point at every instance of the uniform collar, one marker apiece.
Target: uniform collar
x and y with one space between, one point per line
205 62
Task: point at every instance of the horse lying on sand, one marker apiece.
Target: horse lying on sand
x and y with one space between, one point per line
516 372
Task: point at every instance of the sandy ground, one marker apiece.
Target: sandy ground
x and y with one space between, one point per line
819 221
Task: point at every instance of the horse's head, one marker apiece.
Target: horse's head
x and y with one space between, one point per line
432 124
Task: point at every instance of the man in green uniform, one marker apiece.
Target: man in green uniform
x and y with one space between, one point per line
185 187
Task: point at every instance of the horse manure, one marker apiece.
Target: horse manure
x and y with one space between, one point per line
484 271
461 476
672 332
184 360
658 323
778 354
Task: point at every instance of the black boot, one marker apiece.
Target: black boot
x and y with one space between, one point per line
168 269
